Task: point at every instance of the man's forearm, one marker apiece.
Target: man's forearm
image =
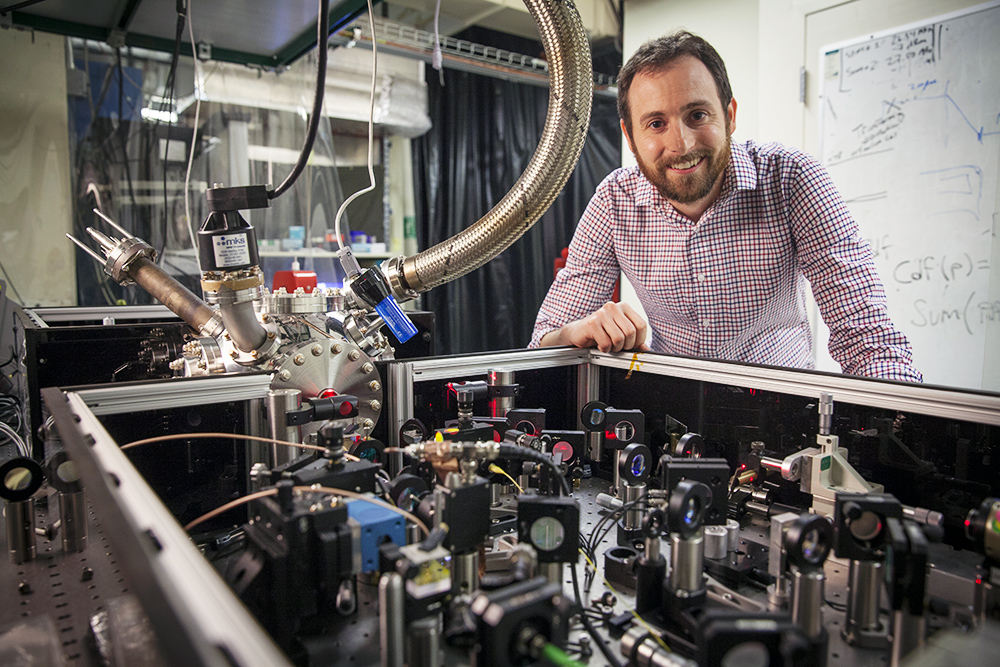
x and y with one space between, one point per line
552 338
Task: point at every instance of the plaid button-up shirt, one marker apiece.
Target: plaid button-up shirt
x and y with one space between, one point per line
732 285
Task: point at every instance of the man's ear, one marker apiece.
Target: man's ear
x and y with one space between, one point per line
731 115
628 136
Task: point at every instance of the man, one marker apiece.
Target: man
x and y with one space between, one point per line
718 239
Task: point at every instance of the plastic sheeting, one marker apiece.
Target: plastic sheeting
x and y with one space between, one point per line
485 132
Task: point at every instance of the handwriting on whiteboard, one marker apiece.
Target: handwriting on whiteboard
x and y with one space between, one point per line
973 314
882 59
946 268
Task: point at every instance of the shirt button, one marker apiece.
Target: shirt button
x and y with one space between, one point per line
705 322
700 277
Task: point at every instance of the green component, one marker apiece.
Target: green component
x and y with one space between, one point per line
556 656
825 463
410 227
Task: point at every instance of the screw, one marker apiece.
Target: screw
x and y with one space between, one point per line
234 354
354 355
316 350
368 424
24 588
374 386
367 368
285 375
336 348
299 359
254 354
264 317
270 335
87 574
375 405
226 336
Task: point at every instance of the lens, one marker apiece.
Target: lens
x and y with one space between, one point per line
563 449
811 545
408 499
638 465
66 471
596 415
18 479
866 527
526 426
547 533
692 508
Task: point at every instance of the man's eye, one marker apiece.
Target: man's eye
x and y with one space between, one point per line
656 124
699 115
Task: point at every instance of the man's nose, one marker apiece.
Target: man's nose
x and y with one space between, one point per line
680 139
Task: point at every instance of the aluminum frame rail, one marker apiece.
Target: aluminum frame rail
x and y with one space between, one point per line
931 400
197 618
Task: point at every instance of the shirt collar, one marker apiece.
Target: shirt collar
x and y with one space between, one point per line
741 174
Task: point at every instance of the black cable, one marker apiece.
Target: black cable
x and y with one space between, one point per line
19 5
591 630
123 136
523 453
594 541
323 28
171 85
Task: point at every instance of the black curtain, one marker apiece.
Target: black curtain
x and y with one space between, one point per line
484 133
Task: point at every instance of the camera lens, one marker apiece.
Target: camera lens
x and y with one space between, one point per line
638 465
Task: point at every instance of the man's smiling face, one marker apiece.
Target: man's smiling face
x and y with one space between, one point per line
680 133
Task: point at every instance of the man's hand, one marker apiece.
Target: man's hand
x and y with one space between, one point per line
613 328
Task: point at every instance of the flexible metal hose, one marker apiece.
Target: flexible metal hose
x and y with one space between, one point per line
565 131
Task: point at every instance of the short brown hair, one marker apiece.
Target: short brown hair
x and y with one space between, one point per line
656 54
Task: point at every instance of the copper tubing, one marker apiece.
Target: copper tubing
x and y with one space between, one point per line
570 95
179 299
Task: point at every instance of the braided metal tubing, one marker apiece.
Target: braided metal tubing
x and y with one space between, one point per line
570 96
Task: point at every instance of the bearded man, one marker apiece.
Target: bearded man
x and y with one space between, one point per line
717 238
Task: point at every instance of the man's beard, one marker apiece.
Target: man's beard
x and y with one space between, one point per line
687 188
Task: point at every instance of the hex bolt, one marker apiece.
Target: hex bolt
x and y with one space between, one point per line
270 335
368 423
87 574
336 348
254 354
235 354
367 368
24 588
374 386
299 359
316 350
285 375
354 355
264 317
375 405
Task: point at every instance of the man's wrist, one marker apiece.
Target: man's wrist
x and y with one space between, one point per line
551 338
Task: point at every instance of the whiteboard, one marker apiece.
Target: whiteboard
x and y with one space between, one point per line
910 132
